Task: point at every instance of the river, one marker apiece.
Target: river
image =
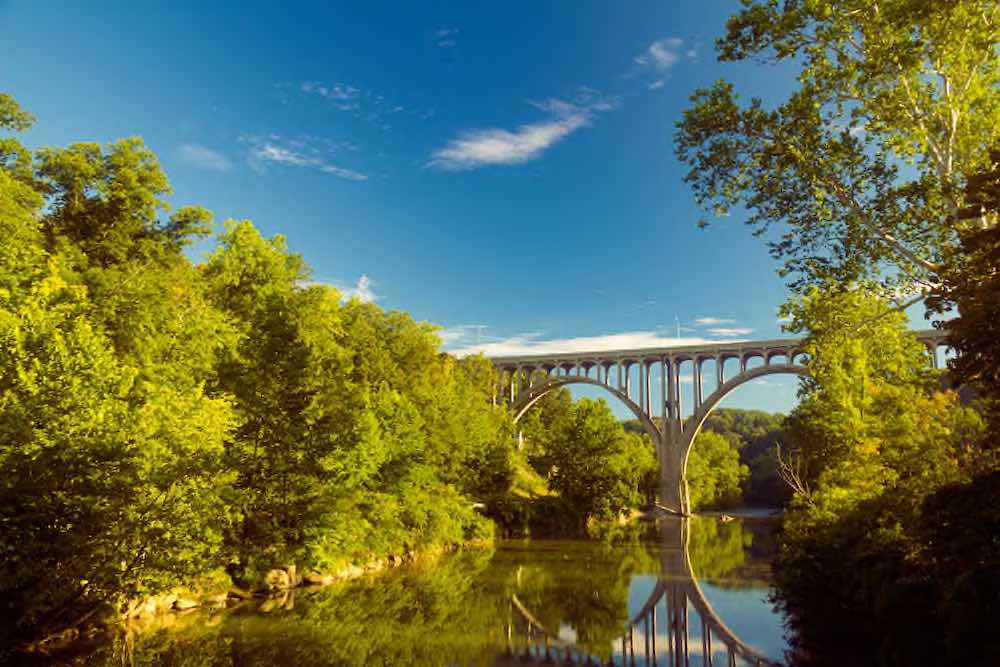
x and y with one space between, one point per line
590 602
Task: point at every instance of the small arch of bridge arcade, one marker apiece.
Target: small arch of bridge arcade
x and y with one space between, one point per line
697 420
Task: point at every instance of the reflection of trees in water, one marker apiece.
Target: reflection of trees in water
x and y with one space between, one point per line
586 588
432 614
454 610
717 548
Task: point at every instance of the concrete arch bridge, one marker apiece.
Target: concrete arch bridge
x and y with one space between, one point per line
649 383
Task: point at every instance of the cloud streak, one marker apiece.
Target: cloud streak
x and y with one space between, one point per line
298 153
344 96
730 331
364 105
445 37
533 343
712 321
497 146
662 56
363 290
203 157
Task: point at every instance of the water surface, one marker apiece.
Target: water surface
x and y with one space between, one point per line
633 599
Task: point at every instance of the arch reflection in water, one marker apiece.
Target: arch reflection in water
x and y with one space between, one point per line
675 626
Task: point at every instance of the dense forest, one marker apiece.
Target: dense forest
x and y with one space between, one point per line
167 421
170 422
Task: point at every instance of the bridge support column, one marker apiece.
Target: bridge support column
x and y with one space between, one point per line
673 485
696 384
642 389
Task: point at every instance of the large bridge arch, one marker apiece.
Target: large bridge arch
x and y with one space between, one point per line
535 394
712 401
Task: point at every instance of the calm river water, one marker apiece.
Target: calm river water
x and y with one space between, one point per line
584 601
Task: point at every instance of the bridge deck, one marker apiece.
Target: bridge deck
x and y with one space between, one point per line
734 347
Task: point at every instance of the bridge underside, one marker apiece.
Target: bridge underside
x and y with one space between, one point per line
649 384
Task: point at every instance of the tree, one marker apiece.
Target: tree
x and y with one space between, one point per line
969 293
301 433
597 467
113 481
542 424
860 166
869 415
160 419
876 439
714 472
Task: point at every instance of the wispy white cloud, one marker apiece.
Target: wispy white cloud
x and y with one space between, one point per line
727 332
363 290
464 334
661 54
477 148
445 37
203 157
497 146
344 96
362 104
534 343
717 326
298 153
712 321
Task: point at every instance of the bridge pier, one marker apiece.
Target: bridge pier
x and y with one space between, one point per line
673 485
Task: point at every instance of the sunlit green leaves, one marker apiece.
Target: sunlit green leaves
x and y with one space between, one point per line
858 170
715 476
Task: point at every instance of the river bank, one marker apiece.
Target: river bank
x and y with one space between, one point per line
275 590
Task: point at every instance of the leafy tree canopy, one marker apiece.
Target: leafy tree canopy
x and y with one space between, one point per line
858 171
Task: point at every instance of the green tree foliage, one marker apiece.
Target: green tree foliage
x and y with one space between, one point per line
593 463
715 475
757 435
598 466
861 165
876 441
355 435
970 288
542 425
110 447
745 427
868 417
160 419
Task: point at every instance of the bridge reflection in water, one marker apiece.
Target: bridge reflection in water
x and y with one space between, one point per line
663 632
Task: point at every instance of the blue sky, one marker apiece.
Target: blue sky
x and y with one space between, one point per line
507 174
